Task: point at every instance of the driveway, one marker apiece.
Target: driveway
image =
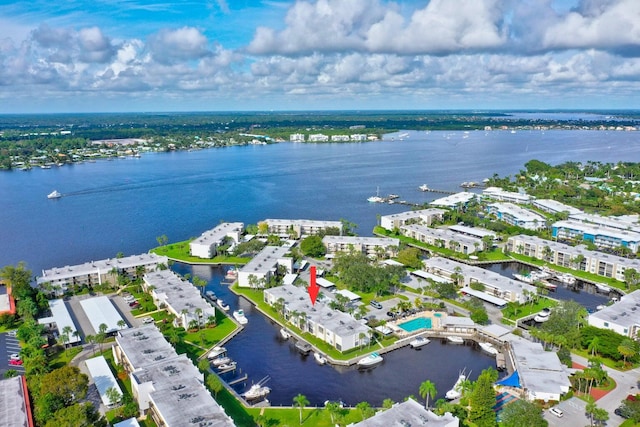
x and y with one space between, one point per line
574 414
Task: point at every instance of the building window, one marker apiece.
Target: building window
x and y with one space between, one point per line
606 324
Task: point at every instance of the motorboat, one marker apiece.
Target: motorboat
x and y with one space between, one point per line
532 277
54 195
455 392
423 187
257 391
226 366
232 274
454 339
603 288
219 361
371 360
285 334
224 306
542 316
320 359
566 278
240 317
217 352
210 295
488 348
419 342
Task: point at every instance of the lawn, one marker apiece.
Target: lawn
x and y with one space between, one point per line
180 252
316 417
208 337
513 312
63 358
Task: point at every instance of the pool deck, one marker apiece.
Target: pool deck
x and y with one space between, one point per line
436 323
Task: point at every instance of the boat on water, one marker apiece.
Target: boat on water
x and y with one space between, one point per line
488 348
226 366
232 274
376 198
454 339
566 278
419 342
320 359
371 360
210 295
216 352
240 317
455 392
219 361
423 187
54 195
603 288
542 316
257 391
284 334
224 306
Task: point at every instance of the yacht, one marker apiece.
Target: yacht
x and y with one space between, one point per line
240 317
319 358
423 187
454 339
222 305
232 274
210 295
226 366
371 360
257 391
376 198
455 393
567 278
488 348
542 316
219 361
54 195
419 342
216 352
285 334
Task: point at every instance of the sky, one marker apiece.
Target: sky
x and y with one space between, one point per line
262 55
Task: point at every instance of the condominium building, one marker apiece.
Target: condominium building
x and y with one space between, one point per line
406 414
575 257
499 194
622 317
98 272
601 236
296 137
370 246
444 238
455 201
515 215
206 245
318 137
554 207
264 265
334 327
300 227
628 223
422 216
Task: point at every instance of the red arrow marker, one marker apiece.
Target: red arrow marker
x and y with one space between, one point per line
313 287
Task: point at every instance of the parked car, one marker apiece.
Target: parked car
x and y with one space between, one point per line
147 320
14 356
134 304
15 362
375 304
129 298
557 412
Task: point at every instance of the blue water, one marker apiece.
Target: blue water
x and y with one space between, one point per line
415 324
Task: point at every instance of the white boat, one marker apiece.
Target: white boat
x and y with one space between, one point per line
216 352
240 317
210 295
488 348
603 288
257 391
376 198
219 361
232 274
566 278
419 342
542 316
222 305
54 195
454 339
319 358
226 366
285 334
455 392
423 187
371 360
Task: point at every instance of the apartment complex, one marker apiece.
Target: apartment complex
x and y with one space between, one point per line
443 237
300 227
423 216
622 317
455 201
553 207
515 215
499 194
264 265
370 246
601 235
206 245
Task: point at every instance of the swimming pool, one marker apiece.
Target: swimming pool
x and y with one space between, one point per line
415 324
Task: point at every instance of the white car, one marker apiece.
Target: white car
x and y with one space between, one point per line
147 320
129 298
14 356
557 412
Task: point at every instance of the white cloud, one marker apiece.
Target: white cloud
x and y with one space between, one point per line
183 44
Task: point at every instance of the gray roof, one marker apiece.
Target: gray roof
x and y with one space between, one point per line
406 414
144 346
518 212
266 260
304 222
218 233
415 214
496 330
358 240
61 316
473 231
555 206
100 310
540 371
599 230
13 408
454 199
179 294
102 377
625 312
622 223
444 234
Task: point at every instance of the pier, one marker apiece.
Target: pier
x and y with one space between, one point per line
237 380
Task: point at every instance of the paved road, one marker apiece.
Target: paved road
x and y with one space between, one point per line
8 346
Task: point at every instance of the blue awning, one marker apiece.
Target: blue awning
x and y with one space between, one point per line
512 380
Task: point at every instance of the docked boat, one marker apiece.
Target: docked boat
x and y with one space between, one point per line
376 198
320 359
488 348
532 277
455 392
566 278
285 334
371 360
226 366
219 361
54 195
240 317
257 391
211 296
232 274
224 306
603 288
419 342
217 352
542 316
423 187
454 339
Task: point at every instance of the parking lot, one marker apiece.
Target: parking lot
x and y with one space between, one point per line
574 414
9 345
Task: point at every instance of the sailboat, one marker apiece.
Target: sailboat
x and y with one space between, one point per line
376 198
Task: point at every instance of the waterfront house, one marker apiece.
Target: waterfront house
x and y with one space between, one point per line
179 297
600 235
422 216
300 227
515 215
370 246
334 327
622 317
206 245
258 271
296 137
444 238
318 137
406 414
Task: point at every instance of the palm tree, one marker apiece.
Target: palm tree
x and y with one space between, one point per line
593 345
427 390
333 408
364 408
122 324
300 401
626 348
198 312
66 334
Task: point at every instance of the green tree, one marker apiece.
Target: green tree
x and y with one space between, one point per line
627 348
427 390
67 383
333 408
522 413
113 395
387 403
482 400
312 246
77 415
122 324
300 401
214 384
19 278
410 257
365 410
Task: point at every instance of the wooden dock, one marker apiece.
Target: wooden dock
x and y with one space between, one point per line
239 380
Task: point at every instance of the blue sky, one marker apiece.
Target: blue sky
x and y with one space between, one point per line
136 55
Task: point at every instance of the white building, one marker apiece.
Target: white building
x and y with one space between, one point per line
334 327
318 137
455 201
59 319
478 232
622 317
442 237
300 227
100 310
553 207
205 246
340 138
369 246
264 265
103 379
406 414
423 216
515 215
180 298
359 137
98 272
629 223
296 137
601 236
499 194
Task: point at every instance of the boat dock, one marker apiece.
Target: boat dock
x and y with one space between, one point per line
238 380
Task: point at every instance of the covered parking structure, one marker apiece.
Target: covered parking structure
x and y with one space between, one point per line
100 310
